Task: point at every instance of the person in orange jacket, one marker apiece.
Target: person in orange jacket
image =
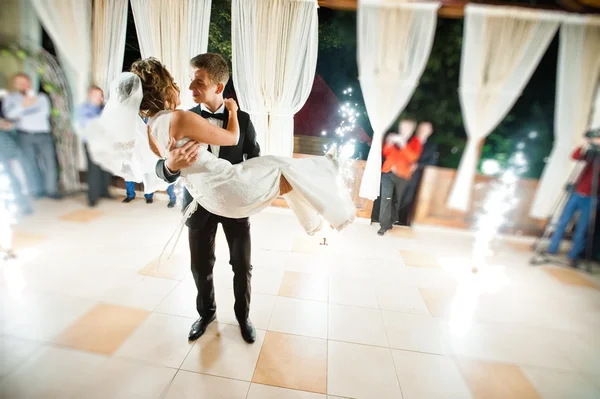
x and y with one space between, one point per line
401 156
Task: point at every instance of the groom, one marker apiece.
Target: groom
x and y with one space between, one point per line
209 74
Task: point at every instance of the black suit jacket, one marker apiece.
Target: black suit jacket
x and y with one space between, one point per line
246 148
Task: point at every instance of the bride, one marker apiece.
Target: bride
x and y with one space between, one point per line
121 143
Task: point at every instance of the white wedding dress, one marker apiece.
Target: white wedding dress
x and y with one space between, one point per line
238 191
118 142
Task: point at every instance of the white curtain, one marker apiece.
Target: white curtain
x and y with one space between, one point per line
595 124
198 28
173 31
68 23
274 50
108 41
502 46
577 82
394 43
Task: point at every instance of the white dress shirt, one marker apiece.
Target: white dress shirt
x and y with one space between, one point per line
217 122
32 119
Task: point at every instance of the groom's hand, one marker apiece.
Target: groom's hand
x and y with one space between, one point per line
182 157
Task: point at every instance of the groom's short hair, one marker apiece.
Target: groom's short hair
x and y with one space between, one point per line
214 64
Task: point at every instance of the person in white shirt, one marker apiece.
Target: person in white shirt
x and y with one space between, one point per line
31 115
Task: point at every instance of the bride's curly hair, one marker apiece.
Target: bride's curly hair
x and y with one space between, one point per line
160 91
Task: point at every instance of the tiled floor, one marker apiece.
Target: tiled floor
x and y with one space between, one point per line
85 312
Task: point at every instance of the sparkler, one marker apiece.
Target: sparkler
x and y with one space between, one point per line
500 200
344 149
8 212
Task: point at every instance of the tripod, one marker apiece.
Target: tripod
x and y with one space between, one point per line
541 255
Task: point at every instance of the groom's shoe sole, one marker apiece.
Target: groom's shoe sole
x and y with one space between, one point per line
199 327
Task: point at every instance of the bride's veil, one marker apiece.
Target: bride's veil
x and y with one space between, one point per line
118 140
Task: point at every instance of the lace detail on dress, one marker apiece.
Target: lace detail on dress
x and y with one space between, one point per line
125 150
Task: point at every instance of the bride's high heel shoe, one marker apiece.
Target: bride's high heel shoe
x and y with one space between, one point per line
332 155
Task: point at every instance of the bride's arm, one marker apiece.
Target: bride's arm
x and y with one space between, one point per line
185 124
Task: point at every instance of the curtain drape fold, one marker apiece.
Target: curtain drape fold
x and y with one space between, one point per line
502 46
394 43
173 31
274 50
108 41
577 83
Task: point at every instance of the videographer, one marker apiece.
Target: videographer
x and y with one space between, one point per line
579 201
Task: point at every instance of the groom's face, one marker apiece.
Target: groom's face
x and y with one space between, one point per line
203 89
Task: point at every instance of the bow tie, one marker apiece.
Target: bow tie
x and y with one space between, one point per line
206 114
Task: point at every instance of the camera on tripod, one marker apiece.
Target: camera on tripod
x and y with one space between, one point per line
590 135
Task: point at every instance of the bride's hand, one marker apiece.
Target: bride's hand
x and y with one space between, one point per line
231 105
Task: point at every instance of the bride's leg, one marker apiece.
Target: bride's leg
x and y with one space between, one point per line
284 186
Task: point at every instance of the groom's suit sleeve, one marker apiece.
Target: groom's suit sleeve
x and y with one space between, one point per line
163 173
251 147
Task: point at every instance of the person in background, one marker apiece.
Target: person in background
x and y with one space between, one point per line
400 155
31 115
10 155
429 156
580 202
98 179
130 190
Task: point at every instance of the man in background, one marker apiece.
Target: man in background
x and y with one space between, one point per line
401 155
30 113
10 166
429 156
98 179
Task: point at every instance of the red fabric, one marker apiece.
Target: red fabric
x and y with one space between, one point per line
320 112
401 160
584 186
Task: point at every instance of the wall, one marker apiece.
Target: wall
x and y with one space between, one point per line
18 23
435 189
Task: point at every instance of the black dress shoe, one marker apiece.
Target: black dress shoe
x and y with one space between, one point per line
128 200
149 200
248 332
199 327
171 204
382 231
574 263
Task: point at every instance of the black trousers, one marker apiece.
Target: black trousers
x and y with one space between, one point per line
392 188
98 180
202 232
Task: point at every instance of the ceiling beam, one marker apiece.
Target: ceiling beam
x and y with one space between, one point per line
449 9
456 8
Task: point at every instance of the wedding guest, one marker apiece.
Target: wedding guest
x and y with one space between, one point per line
10 155
31 114
98 179
429 157
401 155
130 190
